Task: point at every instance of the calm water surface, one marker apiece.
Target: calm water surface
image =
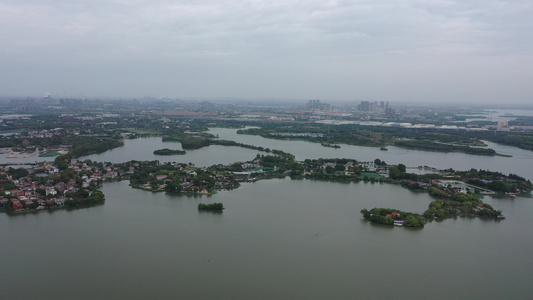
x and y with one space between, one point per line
143 148
277 239
520 163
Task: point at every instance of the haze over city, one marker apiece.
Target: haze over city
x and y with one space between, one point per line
414 51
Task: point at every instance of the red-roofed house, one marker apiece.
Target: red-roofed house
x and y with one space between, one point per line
16 203
393 215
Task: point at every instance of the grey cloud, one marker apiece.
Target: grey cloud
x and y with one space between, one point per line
397 50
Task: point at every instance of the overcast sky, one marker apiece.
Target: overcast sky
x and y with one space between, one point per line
426 51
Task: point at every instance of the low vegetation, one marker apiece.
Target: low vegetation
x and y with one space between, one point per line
211 206
167 151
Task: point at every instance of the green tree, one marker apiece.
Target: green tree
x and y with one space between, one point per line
62 165
339 167
41 191
18 173
401 168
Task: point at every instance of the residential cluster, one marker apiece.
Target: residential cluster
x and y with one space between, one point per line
46 185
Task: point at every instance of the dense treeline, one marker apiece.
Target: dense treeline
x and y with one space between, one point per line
364 134
233 143
520 141
280 162
433 146
6 184
443 208
86 146
522 121
21 142
328 145
195 142
85 197
187 141
167 151
425 139
211 206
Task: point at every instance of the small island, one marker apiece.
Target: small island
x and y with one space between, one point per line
446 206
394 217
329 145
212 206
167 151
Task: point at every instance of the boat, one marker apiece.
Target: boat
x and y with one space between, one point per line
398 223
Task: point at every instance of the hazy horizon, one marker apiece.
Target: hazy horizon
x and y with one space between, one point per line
405 52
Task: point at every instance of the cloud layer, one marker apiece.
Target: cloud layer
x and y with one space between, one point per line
408 50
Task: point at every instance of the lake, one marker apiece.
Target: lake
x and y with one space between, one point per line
277 239
142 149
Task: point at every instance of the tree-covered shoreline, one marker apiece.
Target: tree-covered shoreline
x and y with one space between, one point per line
468 142
211 206
167 151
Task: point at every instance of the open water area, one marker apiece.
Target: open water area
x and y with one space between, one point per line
501 115
276 239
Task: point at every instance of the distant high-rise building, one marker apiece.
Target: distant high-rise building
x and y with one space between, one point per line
364 106
317 105
313 104
47 99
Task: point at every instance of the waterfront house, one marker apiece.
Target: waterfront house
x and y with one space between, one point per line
393 215
16 203
111 175
423 185
51 191
60 186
